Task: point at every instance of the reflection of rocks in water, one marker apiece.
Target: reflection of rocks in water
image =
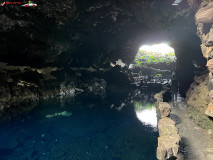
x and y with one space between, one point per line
94 131
64 113
18 111
116 95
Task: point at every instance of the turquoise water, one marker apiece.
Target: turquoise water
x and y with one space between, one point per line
76 131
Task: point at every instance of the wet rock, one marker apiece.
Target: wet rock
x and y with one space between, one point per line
165 109
23 85
66 91
97 86
168 142
64 113
115 76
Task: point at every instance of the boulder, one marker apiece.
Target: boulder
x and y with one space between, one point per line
205 14
167 147
168 142
209 110
166 127
159 97
164 108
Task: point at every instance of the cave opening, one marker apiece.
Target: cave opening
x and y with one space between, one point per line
156 53
155 63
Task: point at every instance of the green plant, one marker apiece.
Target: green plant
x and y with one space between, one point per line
144 57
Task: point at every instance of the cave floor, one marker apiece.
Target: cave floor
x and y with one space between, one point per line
196 143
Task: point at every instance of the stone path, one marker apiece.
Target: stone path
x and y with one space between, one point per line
196 143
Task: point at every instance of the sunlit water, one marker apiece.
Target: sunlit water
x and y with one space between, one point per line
148 117
81 132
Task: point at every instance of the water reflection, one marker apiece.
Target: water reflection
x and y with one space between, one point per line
77 132
146 113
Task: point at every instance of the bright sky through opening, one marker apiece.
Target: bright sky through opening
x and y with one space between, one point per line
158 48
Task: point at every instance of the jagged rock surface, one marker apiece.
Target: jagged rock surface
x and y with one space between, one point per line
165 109
168 142
197 100
199 95
209 110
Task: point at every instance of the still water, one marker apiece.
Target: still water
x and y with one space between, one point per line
80 131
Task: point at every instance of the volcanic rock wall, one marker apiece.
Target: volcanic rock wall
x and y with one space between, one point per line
199 96
204 20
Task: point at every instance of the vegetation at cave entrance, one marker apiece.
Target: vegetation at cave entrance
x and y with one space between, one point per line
148 55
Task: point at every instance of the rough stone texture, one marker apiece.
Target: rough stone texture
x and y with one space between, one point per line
209 41
209 110
168 142
210 97
197 101
199 79
204 20
205 14
198 96
164 108
24 85
159 97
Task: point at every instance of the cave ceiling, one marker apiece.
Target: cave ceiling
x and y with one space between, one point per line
89 33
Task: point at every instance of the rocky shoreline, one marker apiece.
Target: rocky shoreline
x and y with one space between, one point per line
23 86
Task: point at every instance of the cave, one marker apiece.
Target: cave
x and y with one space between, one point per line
87 80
